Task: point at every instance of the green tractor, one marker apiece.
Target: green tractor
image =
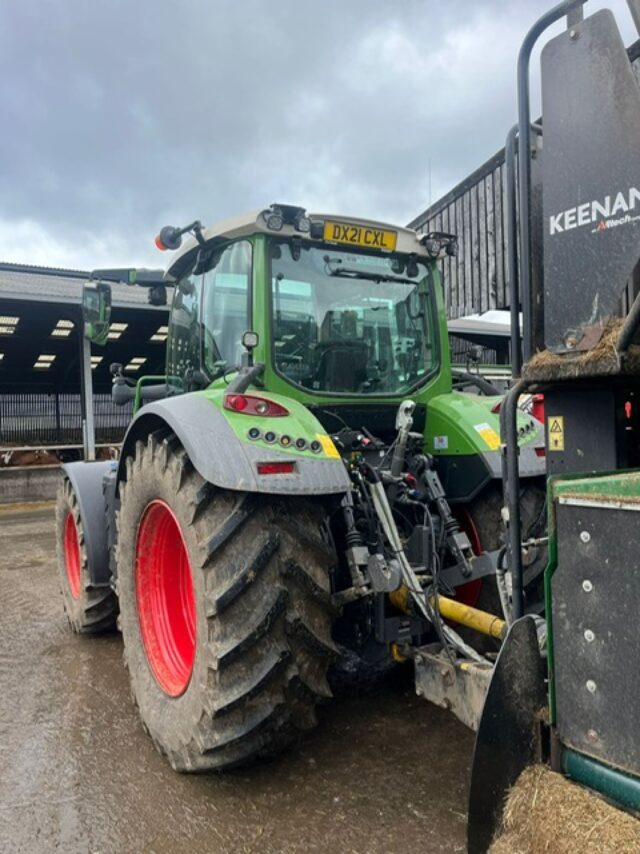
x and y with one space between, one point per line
302 487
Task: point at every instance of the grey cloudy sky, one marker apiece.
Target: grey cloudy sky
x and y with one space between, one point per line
119 116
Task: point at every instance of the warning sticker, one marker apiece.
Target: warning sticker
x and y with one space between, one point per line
555 429
489 435
440 443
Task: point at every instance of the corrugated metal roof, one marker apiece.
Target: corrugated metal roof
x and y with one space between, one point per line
46 284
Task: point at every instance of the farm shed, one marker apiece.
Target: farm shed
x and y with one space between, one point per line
40 367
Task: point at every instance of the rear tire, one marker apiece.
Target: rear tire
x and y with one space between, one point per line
89 609
256 605
481 519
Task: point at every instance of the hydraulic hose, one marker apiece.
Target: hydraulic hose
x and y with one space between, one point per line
412 582
503 592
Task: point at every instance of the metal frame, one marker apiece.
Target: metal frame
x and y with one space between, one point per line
572 9
569 9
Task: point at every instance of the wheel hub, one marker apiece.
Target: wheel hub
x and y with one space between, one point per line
165 599
469 593
72 555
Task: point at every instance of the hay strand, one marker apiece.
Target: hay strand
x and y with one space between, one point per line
547 813
601 360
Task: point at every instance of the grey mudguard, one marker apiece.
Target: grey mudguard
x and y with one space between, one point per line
86 480
220 458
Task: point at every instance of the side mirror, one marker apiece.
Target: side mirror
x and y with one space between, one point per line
152 279
96 312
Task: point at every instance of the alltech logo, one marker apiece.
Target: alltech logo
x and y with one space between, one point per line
601 214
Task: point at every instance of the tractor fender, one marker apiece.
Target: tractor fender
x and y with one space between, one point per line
465 476
463 434
223 460
87 479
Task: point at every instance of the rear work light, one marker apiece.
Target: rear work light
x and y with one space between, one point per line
249 404
276 468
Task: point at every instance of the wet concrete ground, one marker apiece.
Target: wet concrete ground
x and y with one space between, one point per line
386 773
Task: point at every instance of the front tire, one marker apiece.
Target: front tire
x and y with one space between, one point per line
225 611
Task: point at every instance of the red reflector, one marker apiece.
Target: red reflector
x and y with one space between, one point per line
237 402
159 244
249 404
541 452
276 468
496 407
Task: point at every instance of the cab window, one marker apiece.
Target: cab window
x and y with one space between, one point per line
226 296
183 352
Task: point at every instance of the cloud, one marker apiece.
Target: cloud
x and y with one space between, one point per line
29 241
119 117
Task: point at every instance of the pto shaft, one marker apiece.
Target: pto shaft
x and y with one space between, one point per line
465 615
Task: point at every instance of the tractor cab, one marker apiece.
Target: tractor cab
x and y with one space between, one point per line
341 307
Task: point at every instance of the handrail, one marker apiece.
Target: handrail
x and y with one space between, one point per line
524 160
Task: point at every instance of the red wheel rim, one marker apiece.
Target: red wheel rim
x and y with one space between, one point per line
469 593
165 600
72 555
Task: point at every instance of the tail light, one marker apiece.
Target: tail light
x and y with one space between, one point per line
249 404
537 409
276 468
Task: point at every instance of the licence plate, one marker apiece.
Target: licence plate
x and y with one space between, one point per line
360 235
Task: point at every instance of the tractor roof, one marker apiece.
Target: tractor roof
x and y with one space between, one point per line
255 222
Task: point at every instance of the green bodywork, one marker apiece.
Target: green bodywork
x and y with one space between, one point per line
458 424
298 424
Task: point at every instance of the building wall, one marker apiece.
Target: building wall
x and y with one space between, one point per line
474 280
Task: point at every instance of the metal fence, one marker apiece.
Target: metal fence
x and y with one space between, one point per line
47 419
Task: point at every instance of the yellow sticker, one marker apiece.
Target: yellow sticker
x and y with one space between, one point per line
489 435
327 446
555 431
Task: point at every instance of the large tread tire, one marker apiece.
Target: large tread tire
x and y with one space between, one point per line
89 609
485 514
263 614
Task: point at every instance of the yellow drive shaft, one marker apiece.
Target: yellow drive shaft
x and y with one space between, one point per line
465 615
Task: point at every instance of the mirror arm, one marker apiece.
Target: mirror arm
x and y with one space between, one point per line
244 378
